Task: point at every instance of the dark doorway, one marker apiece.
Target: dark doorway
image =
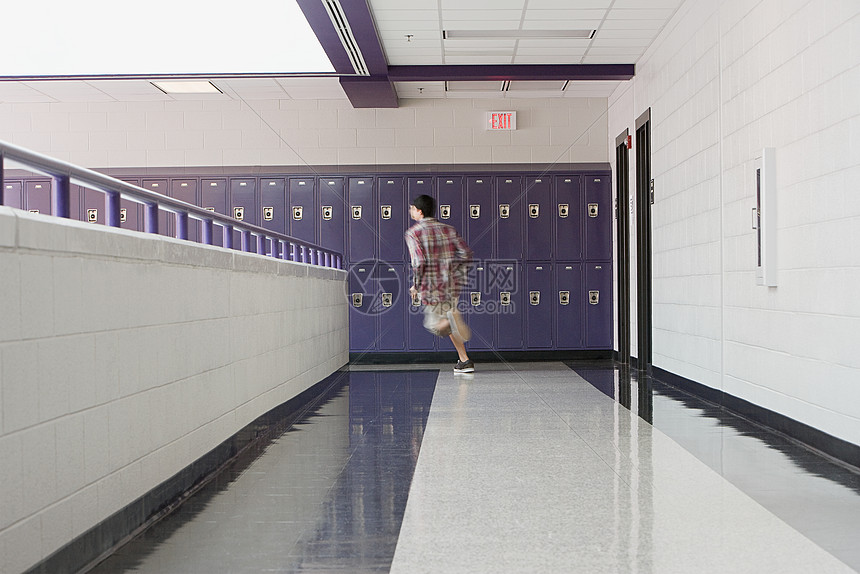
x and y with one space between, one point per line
644 199
622 194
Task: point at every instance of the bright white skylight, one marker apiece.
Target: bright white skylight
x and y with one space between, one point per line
107 37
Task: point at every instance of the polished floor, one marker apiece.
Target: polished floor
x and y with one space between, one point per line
523 467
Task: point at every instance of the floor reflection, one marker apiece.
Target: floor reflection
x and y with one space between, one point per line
816 495
327 494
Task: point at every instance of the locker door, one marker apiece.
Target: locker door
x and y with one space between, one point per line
273 204
363 291
304 212
186 190
213 197
331 214
568 217
420 339
165 220
480 299
568 302
37 196
130 212
509 213
362 220
393 217
393 299
449 190
479 216
598 217
539 214
243 195
510 287
598 308
90 205
539 305
12 194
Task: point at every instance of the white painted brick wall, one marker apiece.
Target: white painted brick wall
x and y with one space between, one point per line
723 81
113 377
295 132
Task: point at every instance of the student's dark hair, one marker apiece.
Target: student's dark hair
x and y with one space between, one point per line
425 204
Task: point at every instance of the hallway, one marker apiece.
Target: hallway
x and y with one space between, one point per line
523 467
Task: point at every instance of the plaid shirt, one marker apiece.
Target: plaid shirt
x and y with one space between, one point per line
439 258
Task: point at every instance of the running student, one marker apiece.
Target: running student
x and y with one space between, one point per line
439 262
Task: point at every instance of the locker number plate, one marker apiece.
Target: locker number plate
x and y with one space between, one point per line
239 213
387 299
474 211
504 211
594 297
445 211
476 298
592 210
534 297
386 212
534 210
564 297
268 213
505 297
93 215
297 213
563 210
357 299
356 212
326 212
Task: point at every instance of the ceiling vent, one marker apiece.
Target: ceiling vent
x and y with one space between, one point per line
341 26
536 34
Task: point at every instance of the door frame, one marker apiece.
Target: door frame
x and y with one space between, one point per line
644 199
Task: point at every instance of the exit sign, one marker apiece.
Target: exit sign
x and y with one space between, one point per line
501 121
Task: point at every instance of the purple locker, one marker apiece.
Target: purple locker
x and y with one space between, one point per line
130 212
37 196
303 212
363 301
362 220
420 339
479 216
165 220
13 194
598 217
510 209
449 193
393 299
213 197
273 204
598 305
539 305
416 186
510 300
243 205
186 190
393 218
568 301
568 217
480 301
91 205
331 214
539 213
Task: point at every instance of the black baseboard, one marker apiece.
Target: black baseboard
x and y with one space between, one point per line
85 551
816 439
477 356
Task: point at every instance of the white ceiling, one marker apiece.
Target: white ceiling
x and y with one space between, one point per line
411 34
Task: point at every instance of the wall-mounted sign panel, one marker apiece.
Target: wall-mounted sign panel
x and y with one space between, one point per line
501 121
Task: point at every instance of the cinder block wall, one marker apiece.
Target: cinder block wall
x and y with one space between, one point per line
125 357
724 80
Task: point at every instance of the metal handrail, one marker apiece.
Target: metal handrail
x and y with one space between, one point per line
64 174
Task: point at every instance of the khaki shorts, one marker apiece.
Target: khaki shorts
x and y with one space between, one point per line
447 313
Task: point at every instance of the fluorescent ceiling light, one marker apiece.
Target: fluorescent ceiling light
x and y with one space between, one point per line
186 87
90 38
482 34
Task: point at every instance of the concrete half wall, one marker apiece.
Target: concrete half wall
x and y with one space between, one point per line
125 357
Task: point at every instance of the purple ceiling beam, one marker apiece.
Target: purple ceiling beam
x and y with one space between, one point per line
512 72
369 91
360 22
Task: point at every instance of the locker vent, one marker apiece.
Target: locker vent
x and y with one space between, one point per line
341 26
